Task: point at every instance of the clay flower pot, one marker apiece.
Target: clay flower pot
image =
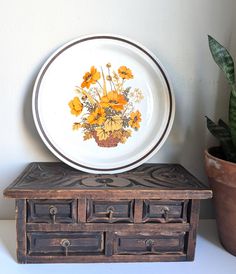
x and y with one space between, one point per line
222 179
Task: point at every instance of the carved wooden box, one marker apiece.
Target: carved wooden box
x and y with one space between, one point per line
147 214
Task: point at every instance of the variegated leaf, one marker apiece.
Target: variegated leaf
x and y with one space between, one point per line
222 133
223 59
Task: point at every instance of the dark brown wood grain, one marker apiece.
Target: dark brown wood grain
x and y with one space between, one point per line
193 219
67 216
109 243
149 243
103 211
165 211
79 243
138 211
82 210
149 181
109 227
107 259
21 247
111 194
51 211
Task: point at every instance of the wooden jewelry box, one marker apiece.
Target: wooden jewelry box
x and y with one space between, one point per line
146 214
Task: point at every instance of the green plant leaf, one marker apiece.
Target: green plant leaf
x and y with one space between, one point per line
223 124
219 131
222 58
222 133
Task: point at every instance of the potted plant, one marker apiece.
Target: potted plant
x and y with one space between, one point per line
221 161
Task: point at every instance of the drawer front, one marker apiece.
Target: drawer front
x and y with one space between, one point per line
110 211
51 211
60 243
165 211
145 243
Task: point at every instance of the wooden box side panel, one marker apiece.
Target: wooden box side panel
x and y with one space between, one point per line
21 248
193 215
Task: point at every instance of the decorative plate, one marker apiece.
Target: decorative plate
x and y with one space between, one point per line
103 104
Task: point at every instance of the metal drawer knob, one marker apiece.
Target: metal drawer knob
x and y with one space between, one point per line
165 212
150 245
110 211
65 244
53 212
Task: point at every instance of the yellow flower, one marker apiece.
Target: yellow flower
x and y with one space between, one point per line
102 134
90 77
113 123
76 106
125 73
96 117
113 100
135 119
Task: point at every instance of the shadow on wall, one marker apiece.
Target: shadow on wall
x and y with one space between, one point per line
192 150
36 145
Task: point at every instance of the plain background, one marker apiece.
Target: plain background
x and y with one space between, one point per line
175 31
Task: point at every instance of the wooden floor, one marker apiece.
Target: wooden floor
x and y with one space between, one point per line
210 258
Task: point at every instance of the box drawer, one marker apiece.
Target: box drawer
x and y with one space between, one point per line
148 243
65 243
165 211
110 211
51 211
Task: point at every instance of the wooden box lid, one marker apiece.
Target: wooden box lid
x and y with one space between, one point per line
56 180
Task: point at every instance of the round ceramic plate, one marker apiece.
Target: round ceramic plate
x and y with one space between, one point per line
103 104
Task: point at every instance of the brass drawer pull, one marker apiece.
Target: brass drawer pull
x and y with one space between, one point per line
53 212
110 211
165 212
65 243
150 245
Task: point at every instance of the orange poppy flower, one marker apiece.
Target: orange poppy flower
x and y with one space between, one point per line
125 73
113 100
97 117
135 119
91 77
76 106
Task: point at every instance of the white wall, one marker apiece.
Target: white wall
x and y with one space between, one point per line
176 31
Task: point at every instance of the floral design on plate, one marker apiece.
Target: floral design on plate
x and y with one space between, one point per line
106 106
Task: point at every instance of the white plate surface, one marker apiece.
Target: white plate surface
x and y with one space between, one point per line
126 122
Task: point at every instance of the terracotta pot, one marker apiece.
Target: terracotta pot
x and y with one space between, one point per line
222 179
